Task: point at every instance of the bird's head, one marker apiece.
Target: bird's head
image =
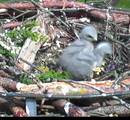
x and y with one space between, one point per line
103 48
88 33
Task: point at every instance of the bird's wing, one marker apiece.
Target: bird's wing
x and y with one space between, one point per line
87 52
100 51
88 59
74 48
78 43
98 57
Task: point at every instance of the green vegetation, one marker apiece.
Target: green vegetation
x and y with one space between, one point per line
46 75
25 79
123 4
51 75
6 53
4 1
19 35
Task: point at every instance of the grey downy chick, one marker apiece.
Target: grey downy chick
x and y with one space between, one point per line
80 58
100 51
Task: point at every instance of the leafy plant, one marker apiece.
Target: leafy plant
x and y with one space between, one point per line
48 76
25 79
20 34
51 75
6 53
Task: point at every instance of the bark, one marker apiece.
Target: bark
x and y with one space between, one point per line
7 104
118 16
4 74
80 88
70 88
3 101
17 111
120 110
11 25
8 84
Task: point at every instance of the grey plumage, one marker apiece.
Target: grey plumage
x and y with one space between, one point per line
80 58
101 50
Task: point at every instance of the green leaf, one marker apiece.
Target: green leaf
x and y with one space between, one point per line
51 74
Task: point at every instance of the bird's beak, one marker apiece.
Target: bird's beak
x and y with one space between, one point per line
95 38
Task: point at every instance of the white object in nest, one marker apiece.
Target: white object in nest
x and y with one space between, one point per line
31 107
3 10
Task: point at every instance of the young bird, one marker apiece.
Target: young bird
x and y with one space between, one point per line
81 58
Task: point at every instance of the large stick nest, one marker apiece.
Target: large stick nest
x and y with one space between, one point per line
64 22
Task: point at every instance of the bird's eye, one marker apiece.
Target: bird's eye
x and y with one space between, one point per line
89 36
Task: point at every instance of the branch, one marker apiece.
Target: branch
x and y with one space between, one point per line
117 16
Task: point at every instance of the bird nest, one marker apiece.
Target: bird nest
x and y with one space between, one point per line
60 25
113 65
